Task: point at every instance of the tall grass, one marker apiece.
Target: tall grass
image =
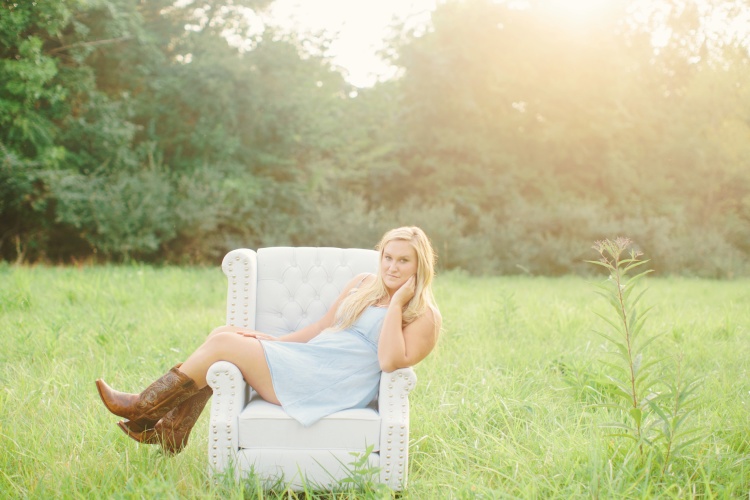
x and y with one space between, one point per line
503 408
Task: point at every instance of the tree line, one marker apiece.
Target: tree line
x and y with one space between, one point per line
136 131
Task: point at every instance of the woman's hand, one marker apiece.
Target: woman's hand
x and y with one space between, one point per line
405 292
255 335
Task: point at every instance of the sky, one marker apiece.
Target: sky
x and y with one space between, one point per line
359 28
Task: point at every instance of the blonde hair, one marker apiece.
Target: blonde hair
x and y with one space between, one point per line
367 295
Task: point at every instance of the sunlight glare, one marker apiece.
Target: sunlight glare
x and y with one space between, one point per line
577 11
358 29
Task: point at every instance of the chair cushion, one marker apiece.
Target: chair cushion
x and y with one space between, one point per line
266 425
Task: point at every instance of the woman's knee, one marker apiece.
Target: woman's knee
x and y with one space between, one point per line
228 342
218 337
216 331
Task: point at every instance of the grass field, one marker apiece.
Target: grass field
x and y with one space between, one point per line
502 408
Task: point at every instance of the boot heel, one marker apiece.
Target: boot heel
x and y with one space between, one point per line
146 436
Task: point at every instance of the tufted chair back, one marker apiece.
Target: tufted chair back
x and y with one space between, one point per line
296 286
278 290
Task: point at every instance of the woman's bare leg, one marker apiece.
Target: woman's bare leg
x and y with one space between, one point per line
244 352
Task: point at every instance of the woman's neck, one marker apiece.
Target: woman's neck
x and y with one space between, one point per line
383 301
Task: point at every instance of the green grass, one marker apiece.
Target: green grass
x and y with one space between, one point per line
502 407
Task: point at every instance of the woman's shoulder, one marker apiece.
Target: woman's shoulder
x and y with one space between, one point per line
356 283
358 279
430 315
433 313
363 279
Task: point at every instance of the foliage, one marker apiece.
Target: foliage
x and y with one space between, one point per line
529 119
516 136
141 115
656 419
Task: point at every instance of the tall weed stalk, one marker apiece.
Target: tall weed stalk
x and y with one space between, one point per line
652 396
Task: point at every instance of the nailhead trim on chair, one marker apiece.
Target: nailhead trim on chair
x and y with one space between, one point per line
229 398
246 259
395 415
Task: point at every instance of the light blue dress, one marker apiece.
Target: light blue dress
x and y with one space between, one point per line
336 370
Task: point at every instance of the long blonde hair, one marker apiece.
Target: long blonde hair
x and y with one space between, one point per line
367 295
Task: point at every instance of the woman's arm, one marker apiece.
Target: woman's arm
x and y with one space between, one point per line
313 329
401 347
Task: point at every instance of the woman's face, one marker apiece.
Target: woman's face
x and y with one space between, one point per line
399 263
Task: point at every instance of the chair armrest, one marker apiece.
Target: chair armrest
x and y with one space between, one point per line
393 406
229 399
241 269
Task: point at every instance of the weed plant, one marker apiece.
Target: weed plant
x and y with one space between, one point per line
503 407
654 402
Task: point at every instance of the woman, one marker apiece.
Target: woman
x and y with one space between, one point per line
379 323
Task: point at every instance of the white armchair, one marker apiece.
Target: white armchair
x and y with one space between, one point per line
276 291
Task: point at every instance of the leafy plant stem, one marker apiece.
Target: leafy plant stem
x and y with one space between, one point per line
626 329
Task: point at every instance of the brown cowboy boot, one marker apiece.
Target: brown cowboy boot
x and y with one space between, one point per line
172 431
144 424
154 402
